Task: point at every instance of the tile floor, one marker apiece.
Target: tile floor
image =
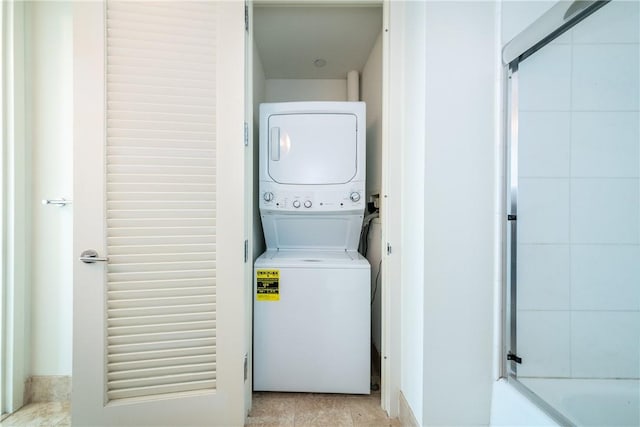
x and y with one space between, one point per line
269 409
49 414
307 409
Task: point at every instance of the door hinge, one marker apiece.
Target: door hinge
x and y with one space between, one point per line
388 249
246 134
246 17
246 250
512 217
515 358
246 367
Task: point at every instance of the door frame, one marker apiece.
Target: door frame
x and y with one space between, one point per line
249 202
15 226
390 196
391 235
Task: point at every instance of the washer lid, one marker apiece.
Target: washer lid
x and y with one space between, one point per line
311 259
312 148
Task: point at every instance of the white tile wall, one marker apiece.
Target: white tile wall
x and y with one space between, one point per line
604 144
617 22
605 77
544 277
605 277
579 201
605 344
605 210
544 144
544 343
543 210
545 80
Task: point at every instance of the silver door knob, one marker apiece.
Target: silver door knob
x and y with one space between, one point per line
90 256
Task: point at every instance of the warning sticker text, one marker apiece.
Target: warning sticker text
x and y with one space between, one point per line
268 285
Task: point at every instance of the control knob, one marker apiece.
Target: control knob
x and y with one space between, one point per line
296 204
355 197
307 203
268 196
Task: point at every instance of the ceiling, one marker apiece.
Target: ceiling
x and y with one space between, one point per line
290 38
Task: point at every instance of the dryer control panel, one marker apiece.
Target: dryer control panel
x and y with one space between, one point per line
312 201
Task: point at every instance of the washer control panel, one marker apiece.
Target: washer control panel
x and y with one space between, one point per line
312 201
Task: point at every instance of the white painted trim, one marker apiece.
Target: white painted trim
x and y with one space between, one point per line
249 205
15 206
390 211
3 127
230 116
499 299
406 416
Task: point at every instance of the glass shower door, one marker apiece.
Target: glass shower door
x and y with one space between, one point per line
576 250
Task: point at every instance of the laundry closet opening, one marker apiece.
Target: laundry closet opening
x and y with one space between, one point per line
327 52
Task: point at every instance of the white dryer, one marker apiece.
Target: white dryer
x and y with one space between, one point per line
311 287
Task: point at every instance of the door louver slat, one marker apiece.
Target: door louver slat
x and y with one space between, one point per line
160 345
169 361
175 387
160 198
142 356
159 285
160 240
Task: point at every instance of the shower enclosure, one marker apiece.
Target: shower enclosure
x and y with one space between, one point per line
573 228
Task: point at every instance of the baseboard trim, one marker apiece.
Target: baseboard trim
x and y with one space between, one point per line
407 418
47 388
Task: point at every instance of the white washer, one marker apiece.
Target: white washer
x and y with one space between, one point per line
315 336
311 287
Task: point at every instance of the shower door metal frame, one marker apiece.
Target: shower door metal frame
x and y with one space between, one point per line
510 367
511 232
559 19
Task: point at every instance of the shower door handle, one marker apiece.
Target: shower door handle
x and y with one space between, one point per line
90 256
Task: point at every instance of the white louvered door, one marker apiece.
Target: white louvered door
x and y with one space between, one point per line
158 187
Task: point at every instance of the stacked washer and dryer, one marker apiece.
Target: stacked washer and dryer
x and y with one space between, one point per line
311 286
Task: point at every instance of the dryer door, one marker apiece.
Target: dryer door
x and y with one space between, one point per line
312 148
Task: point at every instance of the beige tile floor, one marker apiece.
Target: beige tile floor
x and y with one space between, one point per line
49 414
269 409
306 409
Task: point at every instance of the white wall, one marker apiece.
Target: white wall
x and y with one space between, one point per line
371 94
518 15
412 222
459 211
49 116
282 90
258 97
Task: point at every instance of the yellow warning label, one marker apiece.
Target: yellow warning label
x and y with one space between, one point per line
268 285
